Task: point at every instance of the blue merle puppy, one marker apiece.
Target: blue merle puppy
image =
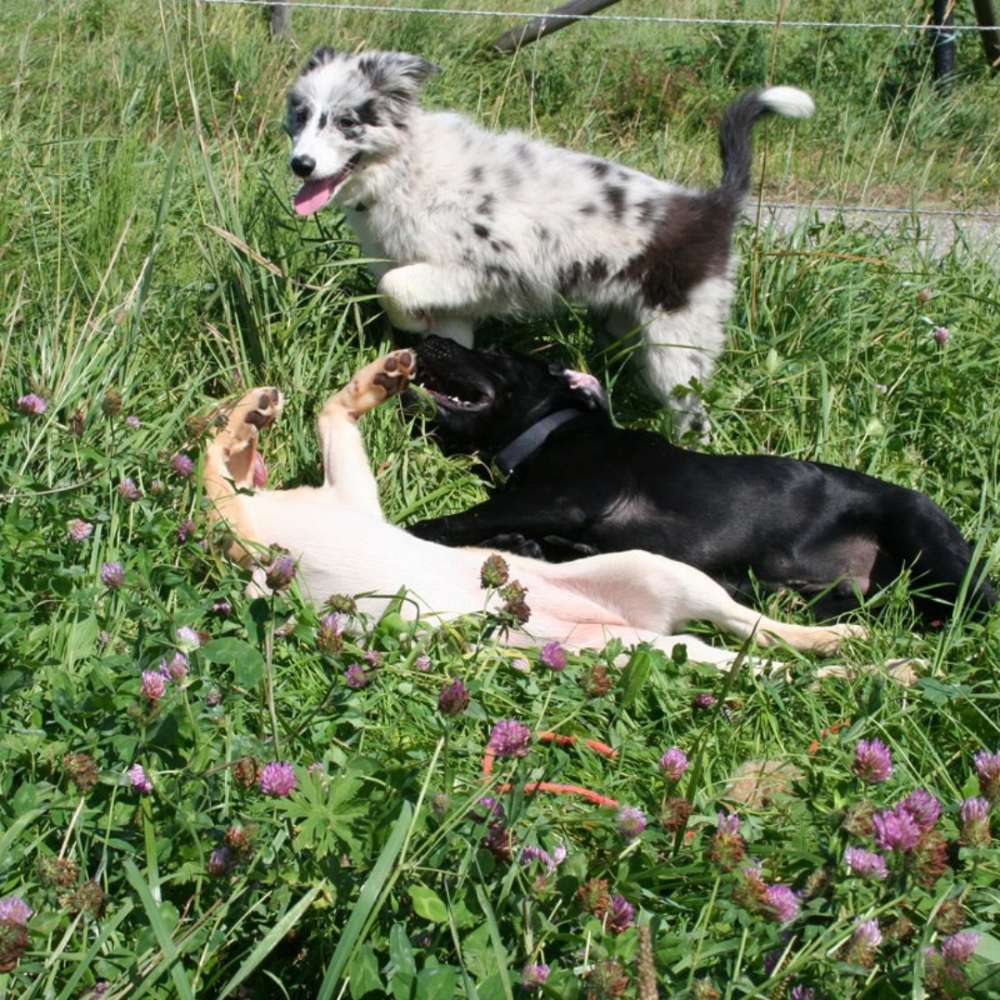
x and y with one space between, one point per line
467 223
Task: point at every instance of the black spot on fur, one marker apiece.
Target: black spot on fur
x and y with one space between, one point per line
647 211
481 231
322 120
476 173
360 207
691 242
524 154
402 126
599 168
569 277
493 271
499 246
367 113
616 199
458 236
510 176
485 207
320 58
543 234
597 269
589 209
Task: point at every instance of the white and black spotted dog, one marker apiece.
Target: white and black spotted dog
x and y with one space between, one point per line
471 223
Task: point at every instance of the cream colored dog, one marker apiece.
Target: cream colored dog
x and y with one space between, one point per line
343 545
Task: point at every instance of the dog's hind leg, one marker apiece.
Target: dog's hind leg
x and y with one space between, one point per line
660 595
681 344
345 462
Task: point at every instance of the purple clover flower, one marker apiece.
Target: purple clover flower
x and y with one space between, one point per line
866 864
864 942
221 608
494 810
454 698
802 992
975 816
782 903
960 947
278 779
355 677
182 465
176 667
185 530
923 807
705 700
872 761
112 575
553 656
329 638
988 769
220 861
630 822
127 490
422 663
79 530
14 910
674 763
534 975
621 914
139 779
941 334
32 404
133 422
510 738
188 639
895 830
280 573
154 685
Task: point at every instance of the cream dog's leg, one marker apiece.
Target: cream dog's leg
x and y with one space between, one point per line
345 462
660 595
230 462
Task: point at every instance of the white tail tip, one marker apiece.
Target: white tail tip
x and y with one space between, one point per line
788 101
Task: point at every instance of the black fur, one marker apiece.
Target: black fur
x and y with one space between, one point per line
592 487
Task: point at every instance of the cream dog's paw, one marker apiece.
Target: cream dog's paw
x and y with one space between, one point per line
376 382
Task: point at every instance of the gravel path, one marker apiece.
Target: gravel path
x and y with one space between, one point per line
980 236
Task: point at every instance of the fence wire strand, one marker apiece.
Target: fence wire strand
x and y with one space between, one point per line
640 18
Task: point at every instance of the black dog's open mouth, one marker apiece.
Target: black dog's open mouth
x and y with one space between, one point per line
449 392
313 195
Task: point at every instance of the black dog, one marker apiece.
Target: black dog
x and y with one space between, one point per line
578 486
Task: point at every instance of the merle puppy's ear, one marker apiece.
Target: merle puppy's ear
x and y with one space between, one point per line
583 385
319 58
397 75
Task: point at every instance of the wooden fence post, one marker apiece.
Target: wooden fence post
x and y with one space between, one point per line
986 17
511 41
281 19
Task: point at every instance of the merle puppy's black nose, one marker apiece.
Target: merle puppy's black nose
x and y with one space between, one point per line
303 165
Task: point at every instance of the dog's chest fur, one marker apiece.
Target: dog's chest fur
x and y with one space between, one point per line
542 221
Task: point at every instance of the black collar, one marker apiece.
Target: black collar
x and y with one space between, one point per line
528 442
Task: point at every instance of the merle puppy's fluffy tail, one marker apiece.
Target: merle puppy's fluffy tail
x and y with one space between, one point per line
737 124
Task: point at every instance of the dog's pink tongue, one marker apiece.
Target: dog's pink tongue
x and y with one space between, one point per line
259 471
313 195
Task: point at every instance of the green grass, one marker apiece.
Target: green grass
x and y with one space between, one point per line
148 255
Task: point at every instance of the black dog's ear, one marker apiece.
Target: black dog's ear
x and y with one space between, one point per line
319 58
398 75
583 385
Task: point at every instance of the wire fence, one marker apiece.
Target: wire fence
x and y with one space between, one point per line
636 18
980 216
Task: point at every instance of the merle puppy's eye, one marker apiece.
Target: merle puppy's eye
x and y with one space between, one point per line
301 116
347 122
